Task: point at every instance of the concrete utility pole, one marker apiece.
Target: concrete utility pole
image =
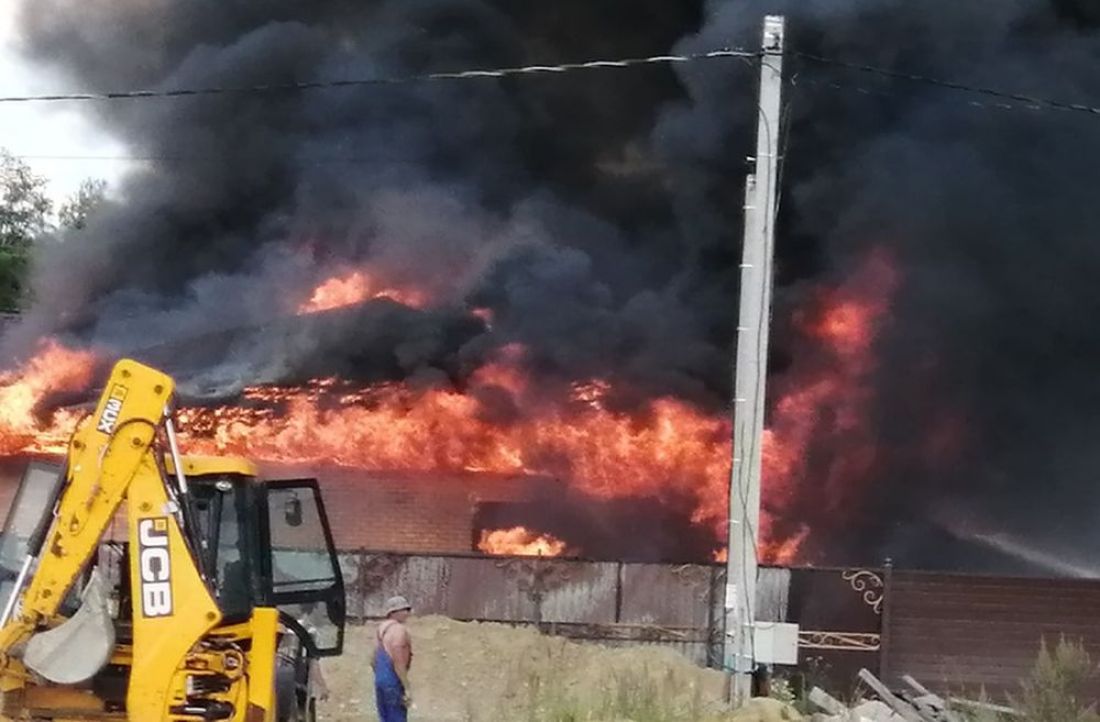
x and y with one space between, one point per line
761 196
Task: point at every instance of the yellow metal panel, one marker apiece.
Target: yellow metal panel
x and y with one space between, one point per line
261 664
14 676
104 454
112 457
172 607
68 699
210 465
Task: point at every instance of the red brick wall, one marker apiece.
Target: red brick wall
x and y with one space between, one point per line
411 512
400 516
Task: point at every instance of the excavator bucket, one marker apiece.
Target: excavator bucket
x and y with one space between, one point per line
78 648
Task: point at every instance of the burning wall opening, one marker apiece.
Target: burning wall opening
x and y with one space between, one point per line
577 525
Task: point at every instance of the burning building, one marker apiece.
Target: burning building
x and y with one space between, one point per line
535 280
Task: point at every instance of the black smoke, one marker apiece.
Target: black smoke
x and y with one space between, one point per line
987 210
597 215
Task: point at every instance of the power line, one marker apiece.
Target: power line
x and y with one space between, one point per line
801 80
95 158
391 80
303 160
1029 100
1032 102
319 160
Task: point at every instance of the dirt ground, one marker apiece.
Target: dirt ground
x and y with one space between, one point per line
473 672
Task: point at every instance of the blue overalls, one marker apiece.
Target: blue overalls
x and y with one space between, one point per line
389 693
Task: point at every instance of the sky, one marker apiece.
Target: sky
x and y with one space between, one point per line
58 140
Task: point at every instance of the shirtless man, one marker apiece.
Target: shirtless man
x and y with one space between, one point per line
391 662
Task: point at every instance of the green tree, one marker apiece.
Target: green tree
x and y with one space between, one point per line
75 211
24 215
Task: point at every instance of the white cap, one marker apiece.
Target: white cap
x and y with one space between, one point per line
397 604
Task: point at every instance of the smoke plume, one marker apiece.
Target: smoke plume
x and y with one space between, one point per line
596 216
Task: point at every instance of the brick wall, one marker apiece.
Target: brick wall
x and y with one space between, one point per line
403 512
399 515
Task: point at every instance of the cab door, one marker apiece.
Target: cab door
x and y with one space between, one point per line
300 568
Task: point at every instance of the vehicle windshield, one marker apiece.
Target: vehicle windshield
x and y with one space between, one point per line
28 514
219 508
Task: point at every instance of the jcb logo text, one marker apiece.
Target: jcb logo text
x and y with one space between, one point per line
155 566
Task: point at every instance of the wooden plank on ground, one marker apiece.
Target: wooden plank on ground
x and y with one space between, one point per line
929 704
907 712
827 702
974 704
917 686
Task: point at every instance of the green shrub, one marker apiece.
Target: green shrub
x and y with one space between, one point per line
1058 686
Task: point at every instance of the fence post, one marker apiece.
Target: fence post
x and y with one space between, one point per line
538 591
714 632
618 592
884 620
361 583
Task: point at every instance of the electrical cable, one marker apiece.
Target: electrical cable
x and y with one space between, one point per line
388 80
1030 100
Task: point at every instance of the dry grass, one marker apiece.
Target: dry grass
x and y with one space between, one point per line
543 692
466 672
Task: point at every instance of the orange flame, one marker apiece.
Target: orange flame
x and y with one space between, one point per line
673 449
520 541
53 369
357 287
824 404
782 551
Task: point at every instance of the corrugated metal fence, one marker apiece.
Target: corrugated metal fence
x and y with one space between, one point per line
949 631
610 602
677 605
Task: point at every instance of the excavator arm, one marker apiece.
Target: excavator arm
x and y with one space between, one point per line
104 457
178 670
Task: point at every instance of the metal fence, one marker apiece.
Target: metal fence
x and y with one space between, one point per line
609 602
674 605
969 633
961 632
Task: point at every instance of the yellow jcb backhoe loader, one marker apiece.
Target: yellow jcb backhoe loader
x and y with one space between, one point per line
138 584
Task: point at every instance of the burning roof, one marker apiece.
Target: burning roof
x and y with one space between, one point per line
447 276
499 419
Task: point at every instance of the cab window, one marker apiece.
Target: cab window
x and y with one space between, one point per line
218 508
305 578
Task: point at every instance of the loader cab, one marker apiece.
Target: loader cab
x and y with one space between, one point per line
267 544
257 544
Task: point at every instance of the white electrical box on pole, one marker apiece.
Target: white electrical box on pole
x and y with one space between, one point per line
754 321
